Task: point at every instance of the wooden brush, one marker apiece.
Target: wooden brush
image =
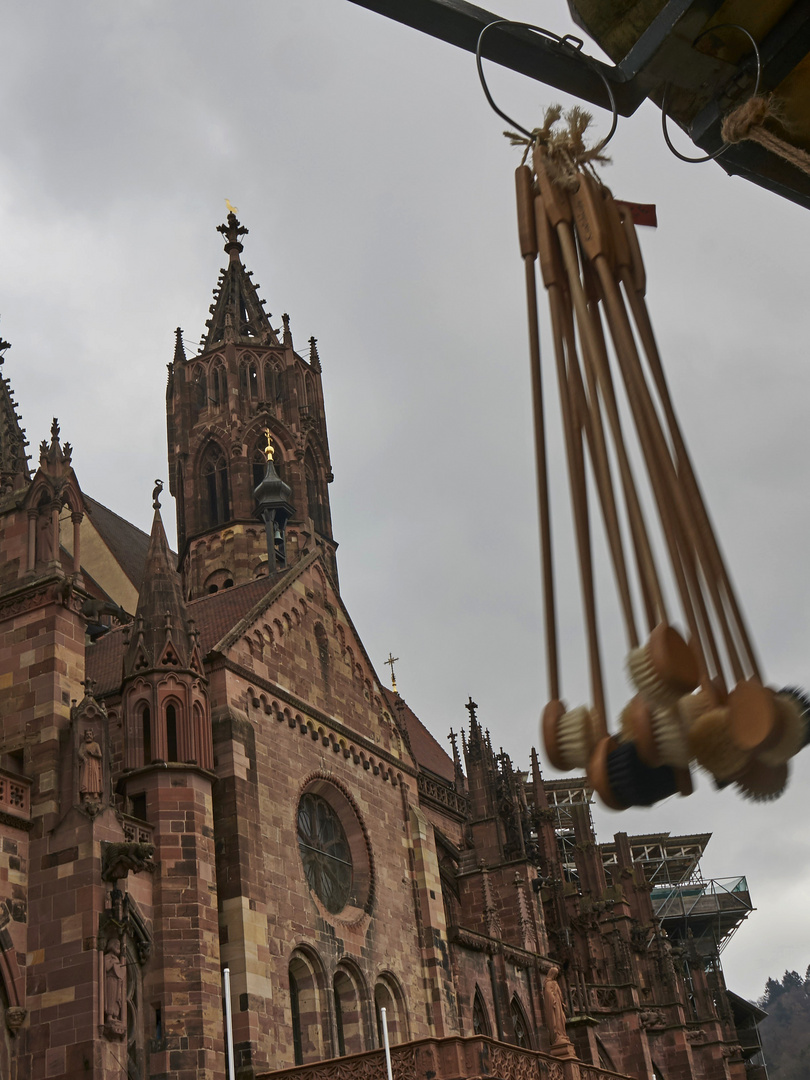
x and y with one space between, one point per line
761 782
755 724
802 702
664 669
621 779
692 706
711 745
659 734
793 736
569 736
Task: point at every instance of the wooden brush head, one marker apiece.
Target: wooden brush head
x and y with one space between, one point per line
762 782
673 659
638 719
549 724
597 772
754 722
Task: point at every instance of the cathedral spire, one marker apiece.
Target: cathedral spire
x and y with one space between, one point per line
162 636
14 472
237 313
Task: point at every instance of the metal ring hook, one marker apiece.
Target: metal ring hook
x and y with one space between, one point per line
725 146
563 42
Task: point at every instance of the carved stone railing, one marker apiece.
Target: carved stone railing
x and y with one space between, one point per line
137 831
443 795
15 795
447 1059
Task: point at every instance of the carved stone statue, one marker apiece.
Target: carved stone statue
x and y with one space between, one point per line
554 1009
115 983
91 783
118 860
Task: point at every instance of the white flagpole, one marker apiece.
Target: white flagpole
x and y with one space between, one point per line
384 1022
226 976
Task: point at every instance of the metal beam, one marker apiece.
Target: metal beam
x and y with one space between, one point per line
560 66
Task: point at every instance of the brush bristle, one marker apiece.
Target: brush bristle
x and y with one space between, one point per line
710 745
664 669
794 730
802 703
693 706
635 784
670 738
576 737
760 782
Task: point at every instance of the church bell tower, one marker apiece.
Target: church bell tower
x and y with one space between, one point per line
247 380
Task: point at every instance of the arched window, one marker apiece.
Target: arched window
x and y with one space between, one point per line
307 1013
219 386
199 391
253 380
146 731
309 394
480 1017
388 995
322 641
273 387
348 1013
171 734
259 466
315 506
519 1024
215 486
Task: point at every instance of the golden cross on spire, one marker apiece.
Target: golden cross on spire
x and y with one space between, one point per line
391 661
269 450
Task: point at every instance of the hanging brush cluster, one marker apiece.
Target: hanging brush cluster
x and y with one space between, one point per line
698 695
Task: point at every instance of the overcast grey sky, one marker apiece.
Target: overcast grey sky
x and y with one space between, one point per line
378 191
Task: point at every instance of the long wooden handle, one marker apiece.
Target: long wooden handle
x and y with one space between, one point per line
635 294
565 357
528 247
587 404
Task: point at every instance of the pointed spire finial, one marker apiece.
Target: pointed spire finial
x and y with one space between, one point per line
269 450
471 706
314 359
391 661
179 348
232 230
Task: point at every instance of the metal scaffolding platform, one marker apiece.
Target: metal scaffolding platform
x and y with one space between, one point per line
706 913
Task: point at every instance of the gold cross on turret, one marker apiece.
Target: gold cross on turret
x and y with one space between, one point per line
269 450
391 661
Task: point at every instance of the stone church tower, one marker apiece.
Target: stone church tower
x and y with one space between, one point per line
246 380
201 769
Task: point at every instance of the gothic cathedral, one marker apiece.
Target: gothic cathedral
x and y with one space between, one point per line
228 850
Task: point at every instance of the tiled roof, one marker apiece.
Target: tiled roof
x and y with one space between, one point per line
427 751
128 543
216 614
104 661
213 616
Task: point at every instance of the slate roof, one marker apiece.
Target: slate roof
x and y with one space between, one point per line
427 751
127 542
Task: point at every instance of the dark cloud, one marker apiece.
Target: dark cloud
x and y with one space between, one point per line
378 191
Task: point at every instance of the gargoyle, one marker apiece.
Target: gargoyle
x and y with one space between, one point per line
118 860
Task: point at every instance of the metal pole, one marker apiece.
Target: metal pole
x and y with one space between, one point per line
226 979
384 1023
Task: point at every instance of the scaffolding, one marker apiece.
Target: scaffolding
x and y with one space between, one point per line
707 913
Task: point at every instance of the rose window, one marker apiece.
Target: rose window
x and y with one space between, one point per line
325 852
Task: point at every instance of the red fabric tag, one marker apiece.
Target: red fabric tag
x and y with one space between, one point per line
642 213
